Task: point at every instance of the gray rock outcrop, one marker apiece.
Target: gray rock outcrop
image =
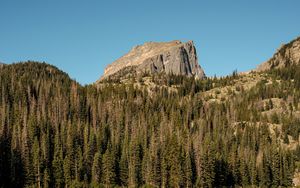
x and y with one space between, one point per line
156 57
285 55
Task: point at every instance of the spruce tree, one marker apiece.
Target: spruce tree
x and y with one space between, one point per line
97 168
108 169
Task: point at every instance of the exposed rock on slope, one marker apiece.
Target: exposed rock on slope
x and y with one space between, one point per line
154 57
285 55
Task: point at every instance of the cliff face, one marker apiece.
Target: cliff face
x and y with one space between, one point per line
285 55
155 57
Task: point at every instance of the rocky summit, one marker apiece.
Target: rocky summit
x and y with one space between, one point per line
156 57
286 55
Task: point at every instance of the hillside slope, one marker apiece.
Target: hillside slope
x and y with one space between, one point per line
157 130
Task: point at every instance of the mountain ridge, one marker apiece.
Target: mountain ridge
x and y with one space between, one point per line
287 54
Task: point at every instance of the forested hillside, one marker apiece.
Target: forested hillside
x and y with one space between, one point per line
152 131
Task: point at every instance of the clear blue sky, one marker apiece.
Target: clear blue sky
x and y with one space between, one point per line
82 37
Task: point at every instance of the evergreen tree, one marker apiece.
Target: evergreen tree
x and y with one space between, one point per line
124 168
207 168
97 168
58 172
108 169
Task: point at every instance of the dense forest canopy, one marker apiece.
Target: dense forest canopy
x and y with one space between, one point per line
56 133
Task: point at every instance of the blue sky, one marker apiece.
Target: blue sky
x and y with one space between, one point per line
82 37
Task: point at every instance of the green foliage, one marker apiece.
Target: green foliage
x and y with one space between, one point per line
57 133
108 164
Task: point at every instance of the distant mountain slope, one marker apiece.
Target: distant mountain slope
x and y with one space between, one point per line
154 57
287 54
33 70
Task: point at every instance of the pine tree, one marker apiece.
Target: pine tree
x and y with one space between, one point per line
68 168
245 177
253 172
46 179
97 168
207 166
266 174
58 172
135 165
78 165
174 163
108 169
188 172
275 166
124 168
36 162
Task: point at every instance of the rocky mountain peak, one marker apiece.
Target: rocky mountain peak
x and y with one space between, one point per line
170 57
287 54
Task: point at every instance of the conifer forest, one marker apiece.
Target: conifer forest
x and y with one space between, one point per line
176 131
